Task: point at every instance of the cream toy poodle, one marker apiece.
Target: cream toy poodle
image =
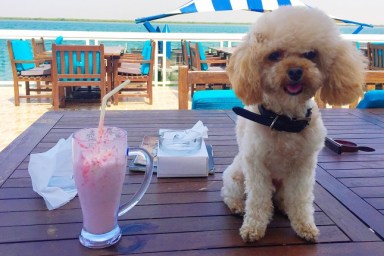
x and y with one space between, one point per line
288 56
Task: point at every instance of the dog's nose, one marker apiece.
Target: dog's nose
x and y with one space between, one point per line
295 74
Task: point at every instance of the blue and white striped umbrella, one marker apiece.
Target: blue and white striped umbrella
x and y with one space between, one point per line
230 5
224 5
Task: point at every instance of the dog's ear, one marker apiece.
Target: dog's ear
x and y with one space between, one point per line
243 74
346 76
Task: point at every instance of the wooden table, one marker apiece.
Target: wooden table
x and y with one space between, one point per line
226 52
112 54
186 216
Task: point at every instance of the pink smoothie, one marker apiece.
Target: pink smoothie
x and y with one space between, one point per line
99 173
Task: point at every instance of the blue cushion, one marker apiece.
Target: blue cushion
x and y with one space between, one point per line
372 99
204 66
146 53
59 40
22 50
215 99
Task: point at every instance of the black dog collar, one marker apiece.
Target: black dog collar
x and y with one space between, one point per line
275 121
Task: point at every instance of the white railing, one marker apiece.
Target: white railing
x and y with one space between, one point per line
87 36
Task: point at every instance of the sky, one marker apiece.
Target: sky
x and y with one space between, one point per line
365 11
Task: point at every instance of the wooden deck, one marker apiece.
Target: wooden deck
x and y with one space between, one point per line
186 216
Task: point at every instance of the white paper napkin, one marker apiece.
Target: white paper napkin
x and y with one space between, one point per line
52 174
201 128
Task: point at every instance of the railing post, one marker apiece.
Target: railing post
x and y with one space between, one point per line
156 82
164 64
183 88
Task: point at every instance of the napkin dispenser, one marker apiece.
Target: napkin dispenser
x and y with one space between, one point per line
182 154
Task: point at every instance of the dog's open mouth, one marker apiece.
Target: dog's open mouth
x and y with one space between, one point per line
293 89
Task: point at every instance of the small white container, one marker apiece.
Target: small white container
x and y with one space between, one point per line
180 142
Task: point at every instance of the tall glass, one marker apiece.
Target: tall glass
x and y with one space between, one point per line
100 163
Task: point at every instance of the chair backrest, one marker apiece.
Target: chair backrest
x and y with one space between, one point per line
375 53
152 59
147 55
197 56
185 52
38 46
78 65
20 55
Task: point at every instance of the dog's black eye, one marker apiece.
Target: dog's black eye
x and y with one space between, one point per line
310 55
275 56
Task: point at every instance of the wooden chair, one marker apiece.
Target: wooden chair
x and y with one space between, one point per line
375 54
139 71
38 46
77 65
199 62
374 79
26 69
205 99
184 53
40 53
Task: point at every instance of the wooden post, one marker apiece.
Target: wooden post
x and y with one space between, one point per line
183 87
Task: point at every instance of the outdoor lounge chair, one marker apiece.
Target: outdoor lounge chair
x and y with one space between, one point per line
26 69
77 66
139 71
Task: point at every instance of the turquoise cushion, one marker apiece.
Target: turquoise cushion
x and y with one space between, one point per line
215 99
372 99
59 40
204 66
22 50
146 53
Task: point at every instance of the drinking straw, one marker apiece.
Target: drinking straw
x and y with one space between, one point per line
104 104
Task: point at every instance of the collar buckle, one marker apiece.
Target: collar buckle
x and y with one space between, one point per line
274 122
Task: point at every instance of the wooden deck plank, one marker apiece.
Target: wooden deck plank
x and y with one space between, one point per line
288 250
185 241
359 207
348 222
74 248
23 233
363 182
378 203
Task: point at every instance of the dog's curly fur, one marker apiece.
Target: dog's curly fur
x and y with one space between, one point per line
289 55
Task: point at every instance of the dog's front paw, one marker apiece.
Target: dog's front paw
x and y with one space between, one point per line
252 231
234 201
235 205
307 231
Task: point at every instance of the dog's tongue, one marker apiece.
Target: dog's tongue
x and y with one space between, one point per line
294 88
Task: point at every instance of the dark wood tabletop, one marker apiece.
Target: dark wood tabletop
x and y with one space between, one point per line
186 216
226 50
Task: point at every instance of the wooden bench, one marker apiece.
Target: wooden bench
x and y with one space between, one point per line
188 78
374 77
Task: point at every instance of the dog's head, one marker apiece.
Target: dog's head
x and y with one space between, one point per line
292 53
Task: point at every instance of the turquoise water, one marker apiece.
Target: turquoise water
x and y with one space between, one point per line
6 74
